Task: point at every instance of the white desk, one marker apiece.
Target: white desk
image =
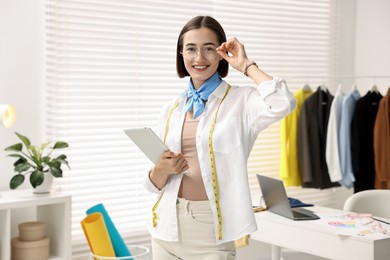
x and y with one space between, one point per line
314 238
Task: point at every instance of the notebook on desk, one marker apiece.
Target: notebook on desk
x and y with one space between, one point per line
276 200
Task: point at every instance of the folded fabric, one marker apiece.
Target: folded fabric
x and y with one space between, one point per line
296 203
118 244
97 235
242 242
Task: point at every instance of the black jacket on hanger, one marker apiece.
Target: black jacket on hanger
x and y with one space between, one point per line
362 141
312 129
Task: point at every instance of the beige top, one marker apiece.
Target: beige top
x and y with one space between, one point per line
192 186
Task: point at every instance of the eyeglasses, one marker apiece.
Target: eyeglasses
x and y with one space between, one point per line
190 53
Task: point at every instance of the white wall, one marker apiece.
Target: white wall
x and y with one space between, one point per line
372 47
21 74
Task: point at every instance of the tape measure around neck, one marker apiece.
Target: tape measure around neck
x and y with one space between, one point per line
155 216
213 168
212 161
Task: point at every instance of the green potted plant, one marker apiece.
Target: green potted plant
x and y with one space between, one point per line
36 161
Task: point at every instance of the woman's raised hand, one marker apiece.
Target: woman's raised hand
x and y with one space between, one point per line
234 53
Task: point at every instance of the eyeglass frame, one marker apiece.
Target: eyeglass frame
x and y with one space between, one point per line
200 50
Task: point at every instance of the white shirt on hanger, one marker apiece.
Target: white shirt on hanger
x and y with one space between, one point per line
332 153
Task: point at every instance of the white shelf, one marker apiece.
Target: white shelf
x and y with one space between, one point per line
54 209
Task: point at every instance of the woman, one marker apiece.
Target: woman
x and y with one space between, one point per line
204 202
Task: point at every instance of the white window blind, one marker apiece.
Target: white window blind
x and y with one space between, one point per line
111 65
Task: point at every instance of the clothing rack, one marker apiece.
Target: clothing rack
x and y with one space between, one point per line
341 76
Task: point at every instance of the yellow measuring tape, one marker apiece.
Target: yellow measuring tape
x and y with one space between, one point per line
212 160
154 220
213 168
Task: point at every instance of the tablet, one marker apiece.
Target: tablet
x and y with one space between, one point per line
149 143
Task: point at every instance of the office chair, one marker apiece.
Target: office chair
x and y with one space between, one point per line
375 202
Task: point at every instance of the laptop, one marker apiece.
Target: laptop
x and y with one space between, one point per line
276 200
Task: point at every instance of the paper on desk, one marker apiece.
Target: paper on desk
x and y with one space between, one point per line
352 232
352 227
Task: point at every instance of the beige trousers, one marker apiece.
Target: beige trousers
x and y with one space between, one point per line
196 236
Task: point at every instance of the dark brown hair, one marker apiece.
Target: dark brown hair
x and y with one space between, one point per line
197 23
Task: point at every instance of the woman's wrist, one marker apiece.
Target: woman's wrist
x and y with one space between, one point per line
248 65
253 71
158 179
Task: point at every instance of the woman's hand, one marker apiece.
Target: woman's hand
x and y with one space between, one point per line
234 53
169 163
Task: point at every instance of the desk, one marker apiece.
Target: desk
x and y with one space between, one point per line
315 238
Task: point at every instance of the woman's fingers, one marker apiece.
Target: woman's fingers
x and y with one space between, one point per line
180 164
173 162
231 45
234 53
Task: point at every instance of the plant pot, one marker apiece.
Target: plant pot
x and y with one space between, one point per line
46 184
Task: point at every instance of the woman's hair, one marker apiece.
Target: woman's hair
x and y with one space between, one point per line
197 23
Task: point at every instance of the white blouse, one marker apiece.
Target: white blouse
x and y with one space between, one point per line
243 114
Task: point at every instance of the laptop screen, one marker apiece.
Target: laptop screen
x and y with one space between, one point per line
275 196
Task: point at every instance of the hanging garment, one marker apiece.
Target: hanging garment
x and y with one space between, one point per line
347 109
332 137
289 170
362 147
382 143
312 127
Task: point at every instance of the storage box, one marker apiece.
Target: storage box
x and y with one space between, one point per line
31 250
31 231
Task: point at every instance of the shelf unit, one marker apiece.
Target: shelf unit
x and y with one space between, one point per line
54 209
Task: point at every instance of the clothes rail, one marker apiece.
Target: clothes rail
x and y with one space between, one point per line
340 76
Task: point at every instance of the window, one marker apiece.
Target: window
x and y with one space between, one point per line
111 66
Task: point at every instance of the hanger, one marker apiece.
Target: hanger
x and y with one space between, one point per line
323 87
375 89
306 88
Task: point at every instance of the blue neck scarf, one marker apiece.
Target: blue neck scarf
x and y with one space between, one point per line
197 97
